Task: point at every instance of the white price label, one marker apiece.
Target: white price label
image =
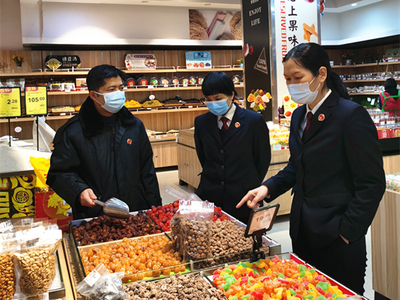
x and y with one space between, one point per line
158 137
190 106
276 147
32 242
165 135
92 278
150 87
165 85
26 222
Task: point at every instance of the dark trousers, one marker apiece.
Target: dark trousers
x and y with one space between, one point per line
346 263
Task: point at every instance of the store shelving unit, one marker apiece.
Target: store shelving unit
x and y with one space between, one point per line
169 64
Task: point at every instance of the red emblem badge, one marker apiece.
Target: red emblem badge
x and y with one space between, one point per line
237 124
129 141
321 117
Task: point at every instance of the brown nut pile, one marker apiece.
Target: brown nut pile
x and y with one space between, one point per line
191 237
7 277
38 270
174 287
107 229
227 244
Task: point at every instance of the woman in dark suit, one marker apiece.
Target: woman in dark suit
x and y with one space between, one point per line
335 170
232 145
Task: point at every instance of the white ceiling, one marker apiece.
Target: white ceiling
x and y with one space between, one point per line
331 6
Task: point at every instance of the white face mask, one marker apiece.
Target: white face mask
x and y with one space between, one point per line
114 101
301 94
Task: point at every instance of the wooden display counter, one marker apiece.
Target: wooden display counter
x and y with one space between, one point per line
385 242
385 247
189 167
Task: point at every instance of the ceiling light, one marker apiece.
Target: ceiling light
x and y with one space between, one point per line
354 4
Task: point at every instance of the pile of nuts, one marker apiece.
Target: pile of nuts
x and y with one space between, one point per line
7 277
227 244
107 229
191 237
38 271
174 287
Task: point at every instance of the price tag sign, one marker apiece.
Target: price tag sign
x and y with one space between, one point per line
261 219
10 102
36 100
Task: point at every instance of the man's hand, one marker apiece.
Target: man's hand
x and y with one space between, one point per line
253 197
86 198
344 239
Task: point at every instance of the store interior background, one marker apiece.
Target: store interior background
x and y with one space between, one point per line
166 23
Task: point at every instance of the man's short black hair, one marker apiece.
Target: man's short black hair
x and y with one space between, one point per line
97 76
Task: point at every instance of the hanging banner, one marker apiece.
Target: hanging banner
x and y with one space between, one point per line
36 100
294 22
257 56
10 102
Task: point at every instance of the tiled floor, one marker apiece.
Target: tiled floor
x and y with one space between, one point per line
279 232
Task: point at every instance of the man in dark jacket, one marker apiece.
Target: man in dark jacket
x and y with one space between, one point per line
104 151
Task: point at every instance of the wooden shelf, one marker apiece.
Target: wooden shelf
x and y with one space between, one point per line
211 70
136 90
389 63
366 65
49 73
84 73
364 80
150 71
363 94
142 112
354 66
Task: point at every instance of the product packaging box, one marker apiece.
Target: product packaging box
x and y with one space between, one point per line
198 60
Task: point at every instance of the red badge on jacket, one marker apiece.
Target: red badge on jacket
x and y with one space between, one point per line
129 141
321 117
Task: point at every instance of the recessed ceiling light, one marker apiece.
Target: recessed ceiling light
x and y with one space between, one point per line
354 4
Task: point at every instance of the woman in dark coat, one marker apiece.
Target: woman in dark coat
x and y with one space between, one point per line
335 170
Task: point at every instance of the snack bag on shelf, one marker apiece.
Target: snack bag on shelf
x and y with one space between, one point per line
100 284
36 261
190 227
7 270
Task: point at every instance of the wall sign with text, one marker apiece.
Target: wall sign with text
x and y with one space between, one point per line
10 102
36 100
295 22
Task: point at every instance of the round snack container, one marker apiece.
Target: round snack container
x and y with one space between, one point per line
175 81
143 81
236 79
192 80
154 81
165 81
130 82
184 81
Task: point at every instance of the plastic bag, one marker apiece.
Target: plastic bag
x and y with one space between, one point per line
46 135
190 227
7 272
41 167
36 261
101 285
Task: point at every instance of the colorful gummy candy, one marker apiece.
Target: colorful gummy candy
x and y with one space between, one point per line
274 279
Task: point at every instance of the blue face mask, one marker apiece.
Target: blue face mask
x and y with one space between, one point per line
218 107
113 101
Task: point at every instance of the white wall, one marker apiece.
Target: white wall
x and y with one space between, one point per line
10 25
108 24
365 23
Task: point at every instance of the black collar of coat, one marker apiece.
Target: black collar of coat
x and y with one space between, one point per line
92 122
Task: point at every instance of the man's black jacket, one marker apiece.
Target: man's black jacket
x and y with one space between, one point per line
112 162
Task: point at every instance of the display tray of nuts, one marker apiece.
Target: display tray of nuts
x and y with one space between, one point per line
181 286
144 257
106 229
209 244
